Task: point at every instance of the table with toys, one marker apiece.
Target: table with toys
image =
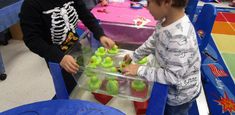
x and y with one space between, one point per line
129 32
119 25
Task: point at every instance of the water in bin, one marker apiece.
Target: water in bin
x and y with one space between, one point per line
106 82
100 79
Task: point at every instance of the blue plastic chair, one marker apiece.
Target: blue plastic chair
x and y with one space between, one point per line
60 88
191 9
63 107
204 25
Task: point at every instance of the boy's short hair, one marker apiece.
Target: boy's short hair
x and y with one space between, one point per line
175 3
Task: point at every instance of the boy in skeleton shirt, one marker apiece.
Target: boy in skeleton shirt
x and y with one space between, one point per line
49 26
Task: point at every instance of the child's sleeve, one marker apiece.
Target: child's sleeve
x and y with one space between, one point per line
160 74
148 47
178 61
89 20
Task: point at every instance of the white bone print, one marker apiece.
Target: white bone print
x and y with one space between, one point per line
63 20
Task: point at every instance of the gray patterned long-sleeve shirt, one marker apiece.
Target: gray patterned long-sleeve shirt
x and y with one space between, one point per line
176 51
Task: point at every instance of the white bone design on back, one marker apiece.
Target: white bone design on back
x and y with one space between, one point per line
63 19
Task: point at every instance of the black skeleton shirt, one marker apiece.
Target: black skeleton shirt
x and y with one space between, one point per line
49 25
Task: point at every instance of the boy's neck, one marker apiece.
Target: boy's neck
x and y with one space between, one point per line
173 15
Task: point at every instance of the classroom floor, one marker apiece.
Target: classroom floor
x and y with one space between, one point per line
224 36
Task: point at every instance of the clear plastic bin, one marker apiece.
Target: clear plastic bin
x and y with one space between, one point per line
105 80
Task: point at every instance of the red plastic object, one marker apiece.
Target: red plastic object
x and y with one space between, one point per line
141 94
102 11
140 107
104 99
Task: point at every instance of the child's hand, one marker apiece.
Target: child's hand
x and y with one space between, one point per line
107 42
69 64
127 59
104 3
131 70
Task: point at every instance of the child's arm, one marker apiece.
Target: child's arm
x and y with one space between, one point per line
89 20
148 47
176 64
93 25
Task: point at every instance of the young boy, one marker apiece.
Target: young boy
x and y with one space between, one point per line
174 46
49 29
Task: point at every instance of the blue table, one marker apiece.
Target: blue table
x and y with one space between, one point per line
9 14
63 107
2 69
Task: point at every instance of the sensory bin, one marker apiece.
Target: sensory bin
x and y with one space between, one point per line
103 74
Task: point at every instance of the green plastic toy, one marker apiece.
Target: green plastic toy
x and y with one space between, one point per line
107 62
111 70
122 65
92 65
100 51
94 61
143 61
112 86
94 83
89 72
138 85
113 50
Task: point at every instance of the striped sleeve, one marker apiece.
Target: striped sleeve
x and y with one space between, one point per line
148 47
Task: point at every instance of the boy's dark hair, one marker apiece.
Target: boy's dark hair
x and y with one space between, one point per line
175 3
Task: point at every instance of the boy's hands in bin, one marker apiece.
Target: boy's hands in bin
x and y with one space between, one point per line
130 69
69 64
127 59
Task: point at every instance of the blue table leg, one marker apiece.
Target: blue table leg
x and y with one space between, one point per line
2 69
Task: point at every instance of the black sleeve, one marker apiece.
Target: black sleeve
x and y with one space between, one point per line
32 27
89 19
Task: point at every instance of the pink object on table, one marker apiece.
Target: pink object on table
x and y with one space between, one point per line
122 13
